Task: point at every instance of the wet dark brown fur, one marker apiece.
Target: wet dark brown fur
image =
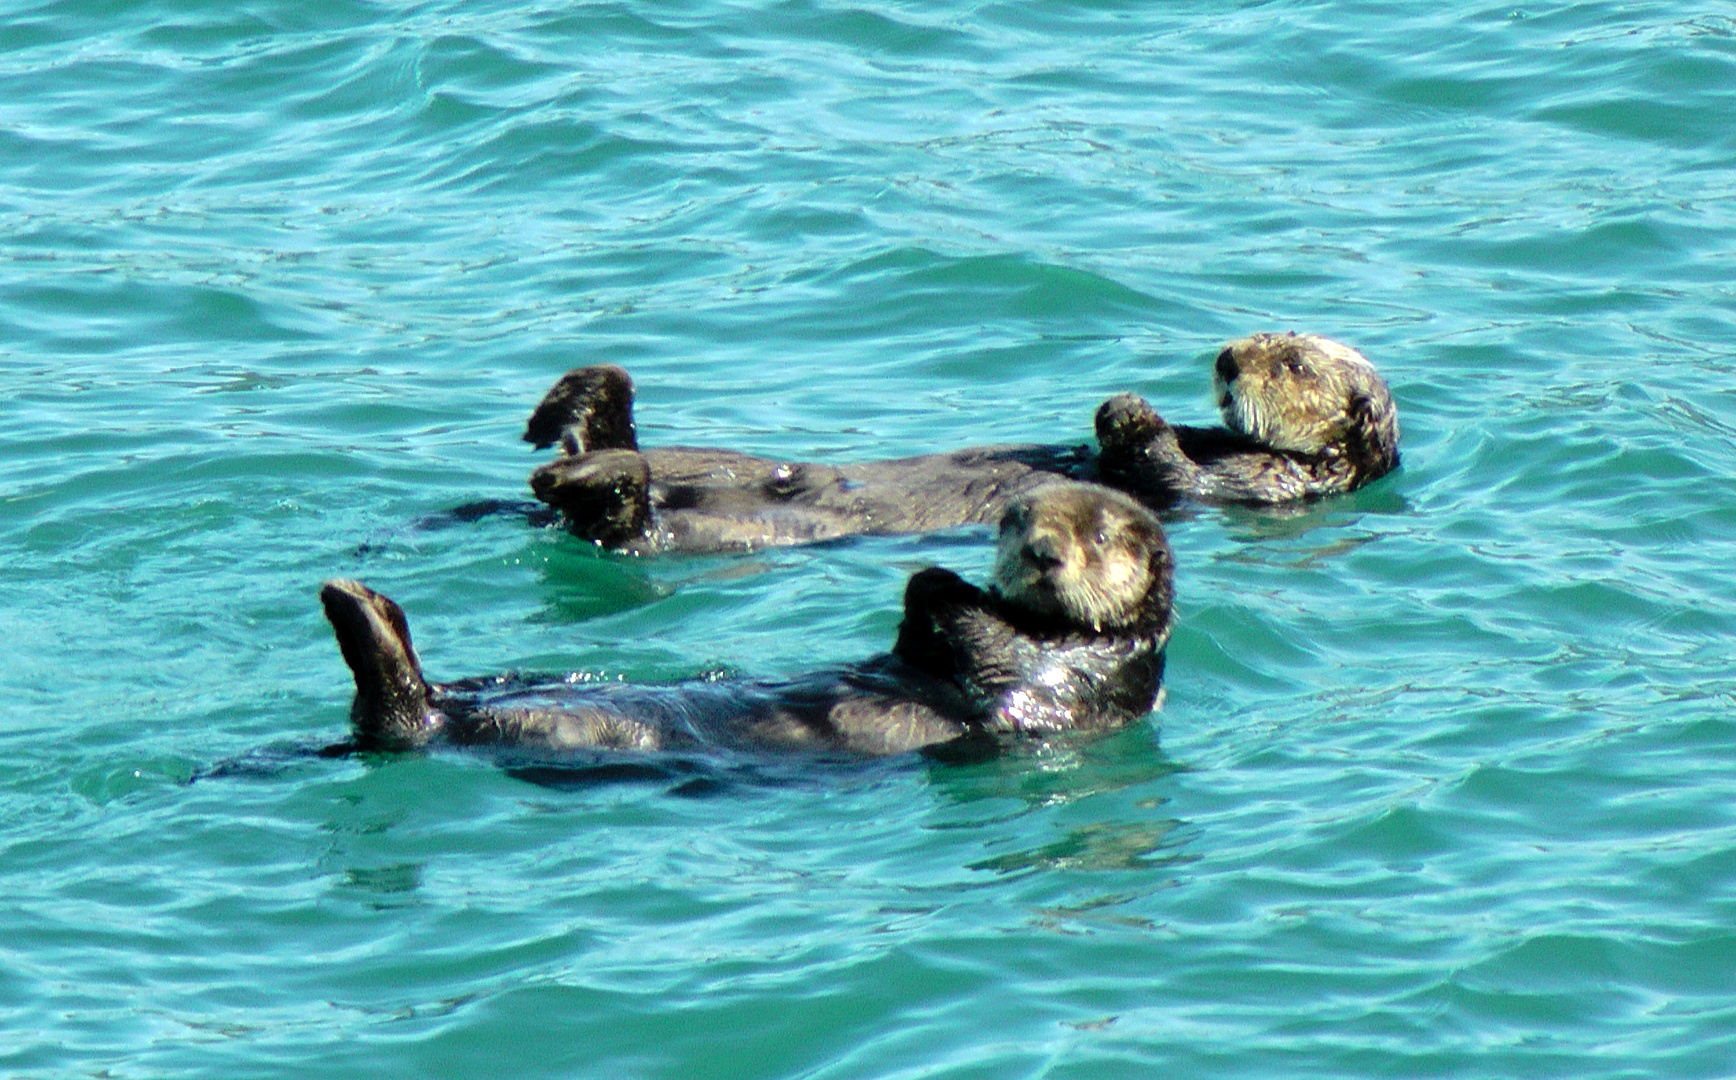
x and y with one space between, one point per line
1069 637
1307 417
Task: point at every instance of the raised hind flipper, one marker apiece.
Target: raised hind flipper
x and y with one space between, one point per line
605 494
589 408
392 710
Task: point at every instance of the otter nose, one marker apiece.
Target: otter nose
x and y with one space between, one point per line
1041 552
1227 366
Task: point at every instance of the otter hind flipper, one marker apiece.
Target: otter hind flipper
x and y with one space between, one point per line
590 407
605 495
391 709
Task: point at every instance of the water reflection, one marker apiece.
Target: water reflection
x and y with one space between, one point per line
580 583
1056 771
383 888
1307 559
1098 846
384 880
1254 524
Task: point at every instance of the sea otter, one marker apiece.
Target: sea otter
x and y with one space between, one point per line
1305 417
1070 635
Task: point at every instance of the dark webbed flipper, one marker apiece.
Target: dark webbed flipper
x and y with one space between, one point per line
391 710
605 494
590 408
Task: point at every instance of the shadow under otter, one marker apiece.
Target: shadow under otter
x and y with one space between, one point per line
1305 417
1070 636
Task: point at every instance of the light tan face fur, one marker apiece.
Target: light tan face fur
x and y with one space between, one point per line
1295 391
1069 551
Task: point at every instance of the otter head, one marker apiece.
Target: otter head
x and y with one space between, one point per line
1087 556
1308 395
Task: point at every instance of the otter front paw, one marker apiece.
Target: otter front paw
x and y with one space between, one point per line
935 586
1129 431
931 594
1138 450
1128 421
604 495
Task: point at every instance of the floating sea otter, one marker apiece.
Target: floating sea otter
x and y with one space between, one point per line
1305 416
1070 636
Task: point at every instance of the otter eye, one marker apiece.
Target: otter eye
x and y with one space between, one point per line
1102 537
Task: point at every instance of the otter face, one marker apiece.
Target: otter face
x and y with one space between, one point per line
1086 554
1307 394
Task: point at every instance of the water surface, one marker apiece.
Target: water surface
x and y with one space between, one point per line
1444 785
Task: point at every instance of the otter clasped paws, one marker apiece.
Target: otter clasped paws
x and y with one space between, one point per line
1138 451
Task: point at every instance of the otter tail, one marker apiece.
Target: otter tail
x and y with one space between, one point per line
391 710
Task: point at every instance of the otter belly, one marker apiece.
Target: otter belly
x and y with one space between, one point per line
872 710
712 500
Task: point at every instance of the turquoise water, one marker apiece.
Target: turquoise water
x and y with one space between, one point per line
1446 780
